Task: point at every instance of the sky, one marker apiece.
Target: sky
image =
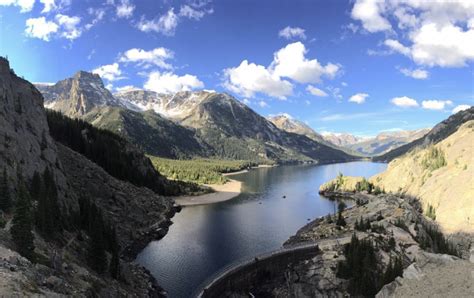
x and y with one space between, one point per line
361 66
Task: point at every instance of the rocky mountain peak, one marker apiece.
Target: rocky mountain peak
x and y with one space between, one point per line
77 95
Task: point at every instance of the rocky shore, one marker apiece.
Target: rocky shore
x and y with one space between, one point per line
396 228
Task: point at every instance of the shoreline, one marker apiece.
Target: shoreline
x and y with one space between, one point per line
222 192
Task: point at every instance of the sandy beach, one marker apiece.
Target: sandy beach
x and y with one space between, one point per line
222 192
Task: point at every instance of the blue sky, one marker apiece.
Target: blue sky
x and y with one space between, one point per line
341 66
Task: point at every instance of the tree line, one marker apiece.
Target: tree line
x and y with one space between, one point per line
35 207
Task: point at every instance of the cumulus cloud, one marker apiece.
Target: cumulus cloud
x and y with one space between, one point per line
437 33
359 98
292 33
125 9
40 28
156 57
126 88
316 91
262 104
62 26
460 108
249 78
404 102
369 12
170 83
25 5
419 74
167 23
110 72
291 62
69 26
435 104
49 5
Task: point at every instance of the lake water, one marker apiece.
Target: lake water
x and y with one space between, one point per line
204 239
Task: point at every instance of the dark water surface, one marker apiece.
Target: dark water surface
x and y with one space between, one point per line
203 239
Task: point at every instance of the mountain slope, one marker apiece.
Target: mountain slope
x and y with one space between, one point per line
440 175
206 124
438 133
59 262
342 139
155 134
387 141
287 123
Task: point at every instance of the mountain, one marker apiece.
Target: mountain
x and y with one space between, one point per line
188 124
67 204
287 123
387 141
370 146
342 139
440 174
435 135
78 95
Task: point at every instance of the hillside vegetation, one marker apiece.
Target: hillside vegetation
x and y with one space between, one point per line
203 171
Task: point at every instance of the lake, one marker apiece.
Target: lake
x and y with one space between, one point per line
204 239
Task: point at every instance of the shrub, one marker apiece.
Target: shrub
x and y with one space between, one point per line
430 212
433 159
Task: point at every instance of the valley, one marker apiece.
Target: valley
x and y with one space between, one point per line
231 149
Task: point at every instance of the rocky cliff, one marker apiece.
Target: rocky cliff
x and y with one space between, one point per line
61 264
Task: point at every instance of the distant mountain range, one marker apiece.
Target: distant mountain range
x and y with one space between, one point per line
185 124
355 145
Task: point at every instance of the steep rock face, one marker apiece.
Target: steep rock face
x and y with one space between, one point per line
438 133
78 95
25 143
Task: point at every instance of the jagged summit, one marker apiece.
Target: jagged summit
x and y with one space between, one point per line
77 95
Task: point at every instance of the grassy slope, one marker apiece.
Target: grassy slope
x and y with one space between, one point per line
448 188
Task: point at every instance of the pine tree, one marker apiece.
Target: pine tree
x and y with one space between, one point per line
5 199
114 267
97 256
22 223
48 218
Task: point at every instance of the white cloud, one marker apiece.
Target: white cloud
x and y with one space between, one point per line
110 72
165 24
316 91
40 28
436 33
292 32
262 104
49 5
291 62
69 26
249 78
157 57
125 9
460 108
192 13
435 104
404 102
97 14
25 5
359 98
419 74
170 83
369 13
397 46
